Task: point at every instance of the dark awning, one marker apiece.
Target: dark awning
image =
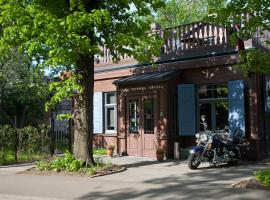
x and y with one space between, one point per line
153 77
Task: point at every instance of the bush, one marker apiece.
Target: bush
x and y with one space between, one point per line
263 176
70 164
100 151
28 140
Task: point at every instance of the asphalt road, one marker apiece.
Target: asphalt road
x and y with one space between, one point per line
143 179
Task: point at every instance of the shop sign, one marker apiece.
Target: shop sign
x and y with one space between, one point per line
267 94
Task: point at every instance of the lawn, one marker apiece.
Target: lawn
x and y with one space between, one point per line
22 157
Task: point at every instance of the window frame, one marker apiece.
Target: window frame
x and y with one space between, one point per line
106 106
211 101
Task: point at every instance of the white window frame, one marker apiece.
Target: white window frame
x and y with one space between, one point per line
106 106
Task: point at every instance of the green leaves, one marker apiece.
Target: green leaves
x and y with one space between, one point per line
263 176
64 89
251 16
59 33
177 12
24 90
29 139
255 61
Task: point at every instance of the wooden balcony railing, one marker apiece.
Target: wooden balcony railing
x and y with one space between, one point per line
195 38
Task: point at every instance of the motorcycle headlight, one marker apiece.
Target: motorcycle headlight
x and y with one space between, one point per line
203 137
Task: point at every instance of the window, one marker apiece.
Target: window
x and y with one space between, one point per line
213 105
148 116
133 116
110 112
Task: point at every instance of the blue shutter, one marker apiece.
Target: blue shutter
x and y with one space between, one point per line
236 106
97 113
186 109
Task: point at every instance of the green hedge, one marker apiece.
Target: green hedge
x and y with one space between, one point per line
28 140
263 176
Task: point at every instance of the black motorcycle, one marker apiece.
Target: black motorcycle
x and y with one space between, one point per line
217 148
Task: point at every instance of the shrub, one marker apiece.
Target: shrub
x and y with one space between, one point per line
28 139
100 151
263 176
70 164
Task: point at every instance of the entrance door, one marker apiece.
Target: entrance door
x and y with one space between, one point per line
149 127
141 126
134 136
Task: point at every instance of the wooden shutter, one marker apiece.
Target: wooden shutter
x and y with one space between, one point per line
236 106
98 113
186 109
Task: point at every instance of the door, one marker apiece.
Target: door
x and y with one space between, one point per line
141 126
149 127
133 126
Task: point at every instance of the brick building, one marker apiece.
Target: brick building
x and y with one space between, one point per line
140 107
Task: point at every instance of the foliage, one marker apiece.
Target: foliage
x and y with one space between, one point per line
252 16
177 12
59 37
22 157
100 151
263 176
28 140
67 35
255 61
70 164
23 90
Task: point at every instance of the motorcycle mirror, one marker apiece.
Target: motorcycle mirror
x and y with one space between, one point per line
203 118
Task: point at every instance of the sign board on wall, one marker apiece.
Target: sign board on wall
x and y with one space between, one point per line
267 94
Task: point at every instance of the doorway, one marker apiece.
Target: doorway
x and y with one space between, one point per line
141 123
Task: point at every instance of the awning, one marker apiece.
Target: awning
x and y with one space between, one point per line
154 77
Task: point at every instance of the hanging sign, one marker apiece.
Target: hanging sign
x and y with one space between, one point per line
267 94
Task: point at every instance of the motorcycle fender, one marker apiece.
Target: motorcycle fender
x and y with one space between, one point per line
196 150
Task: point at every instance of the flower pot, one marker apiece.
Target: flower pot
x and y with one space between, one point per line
110 152
160 156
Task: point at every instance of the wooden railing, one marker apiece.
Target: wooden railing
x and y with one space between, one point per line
106 57
182 40
194 36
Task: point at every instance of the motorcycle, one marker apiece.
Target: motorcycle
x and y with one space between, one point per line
217 148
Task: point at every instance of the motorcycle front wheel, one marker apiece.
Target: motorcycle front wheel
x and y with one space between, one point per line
193 162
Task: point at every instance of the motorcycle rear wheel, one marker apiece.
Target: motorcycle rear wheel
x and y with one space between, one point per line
232 162
193 163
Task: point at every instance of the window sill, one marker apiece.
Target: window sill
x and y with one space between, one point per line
106 134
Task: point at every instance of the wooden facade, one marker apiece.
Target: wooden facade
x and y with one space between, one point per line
148 109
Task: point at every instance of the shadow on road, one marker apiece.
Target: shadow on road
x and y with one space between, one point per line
203 183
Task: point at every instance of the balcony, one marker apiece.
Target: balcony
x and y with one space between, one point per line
189 40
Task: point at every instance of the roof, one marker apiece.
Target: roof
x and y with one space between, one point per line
148 77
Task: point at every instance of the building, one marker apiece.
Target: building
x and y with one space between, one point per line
140 107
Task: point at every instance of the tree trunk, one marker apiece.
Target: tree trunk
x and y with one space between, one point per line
83 111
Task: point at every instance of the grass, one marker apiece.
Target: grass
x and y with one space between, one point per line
22 157
99 151
263 176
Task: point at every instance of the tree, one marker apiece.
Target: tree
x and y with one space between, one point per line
23 91
250 16
177 12
70 33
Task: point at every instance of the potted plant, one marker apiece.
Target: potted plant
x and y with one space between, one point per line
110 149
160 154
